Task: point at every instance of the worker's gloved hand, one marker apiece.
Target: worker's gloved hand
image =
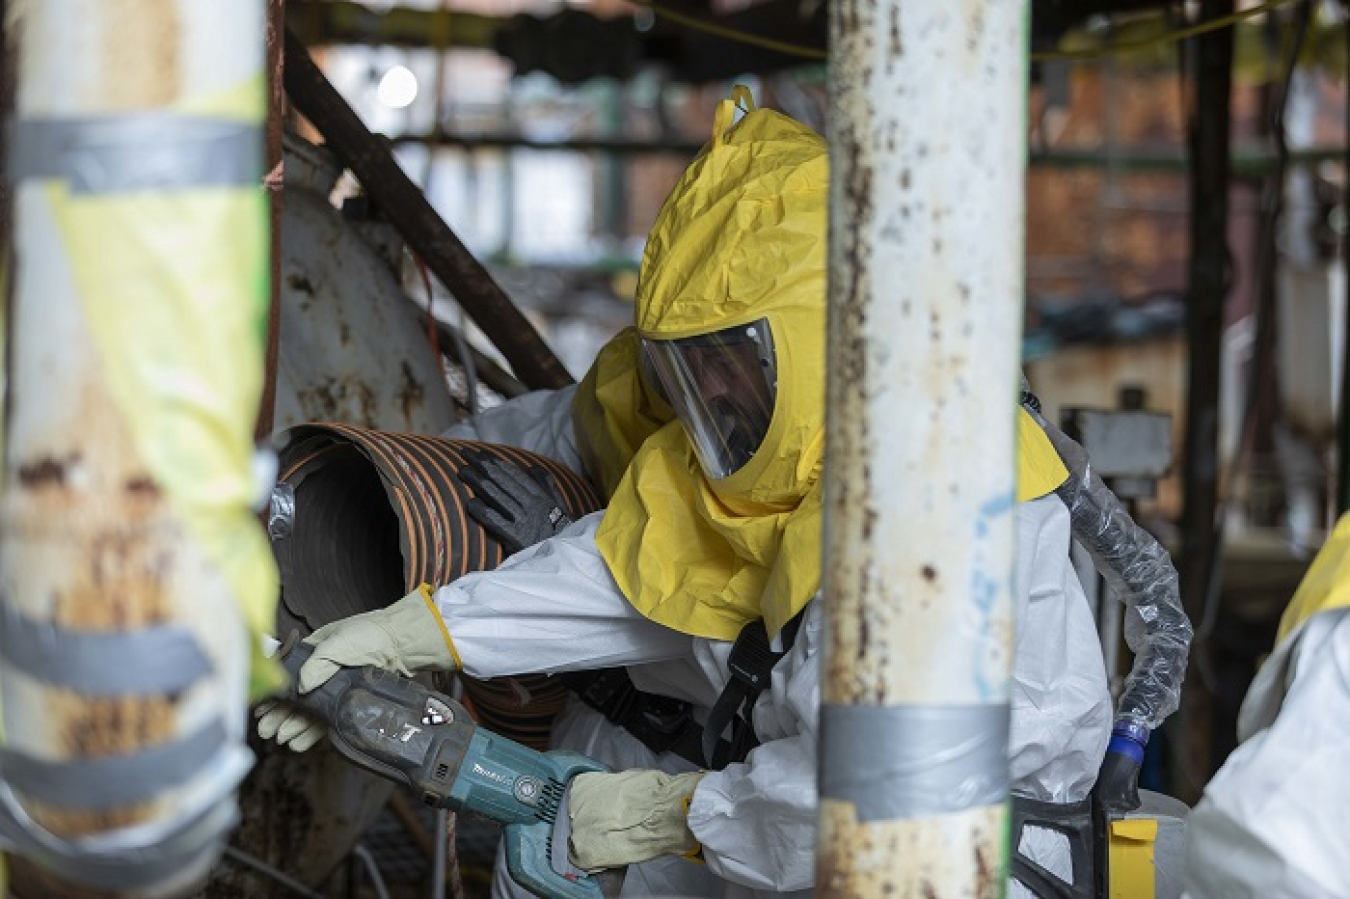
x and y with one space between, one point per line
630 817
512 504
1117 786
288 725
407 637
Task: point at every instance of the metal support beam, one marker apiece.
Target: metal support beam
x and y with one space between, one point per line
615 146
1248 163
318 22
926 247
405 206
1207 290
276 103
1343 426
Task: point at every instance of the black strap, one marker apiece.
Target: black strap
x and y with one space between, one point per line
1078 821
660 723
751 665
664 725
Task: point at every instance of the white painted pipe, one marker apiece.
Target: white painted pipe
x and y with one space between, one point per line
927 141
130 563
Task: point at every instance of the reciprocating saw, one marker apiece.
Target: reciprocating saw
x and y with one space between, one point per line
395 727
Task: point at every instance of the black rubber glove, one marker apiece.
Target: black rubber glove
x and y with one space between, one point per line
512 504
1117 787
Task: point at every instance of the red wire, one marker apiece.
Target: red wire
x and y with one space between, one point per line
433 334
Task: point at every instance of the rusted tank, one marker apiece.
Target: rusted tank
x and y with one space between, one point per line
353 348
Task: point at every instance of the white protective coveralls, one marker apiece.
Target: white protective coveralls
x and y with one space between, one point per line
555 607
1274 820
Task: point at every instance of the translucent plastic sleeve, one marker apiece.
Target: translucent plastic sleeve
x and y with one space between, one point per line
1140 573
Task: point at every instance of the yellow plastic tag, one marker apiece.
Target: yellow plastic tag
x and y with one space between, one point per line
725 114
1131 865
1040 471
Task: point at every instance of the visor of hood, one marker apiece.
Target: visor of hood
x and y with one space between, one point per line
741 238
722 387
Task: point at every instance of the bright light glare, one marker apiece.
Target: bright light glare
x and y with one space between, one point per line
398 87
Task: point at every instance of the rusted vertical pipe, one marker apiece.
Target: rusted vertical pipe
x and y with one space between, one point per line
276 109
926 230
1343 421
1206 291
130 565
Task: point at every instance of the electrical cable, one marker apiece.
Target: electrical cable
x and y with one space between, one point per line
274 874
1271 207
469 365
372 870
1167 37
697 23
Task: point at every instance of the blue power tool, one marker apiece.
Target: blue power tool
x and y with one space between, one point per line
396 728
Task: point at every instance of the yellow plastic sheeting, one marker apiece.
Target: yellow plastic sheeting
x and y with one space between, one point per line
174 288
1131 865
614 411
1325 586
246 101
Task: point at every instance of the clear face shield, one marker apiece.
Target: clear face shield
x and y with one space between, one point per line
722 386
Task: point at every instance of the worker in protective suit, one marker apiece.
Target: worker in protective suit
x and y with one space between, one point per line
704 425
1273 820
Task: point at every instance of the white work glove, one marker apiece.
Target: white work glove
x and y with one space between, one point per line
407 636
630 817
288 725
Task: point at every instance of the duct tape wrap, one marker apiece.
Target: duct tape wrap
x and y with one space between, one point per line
93 663
188 775
158 150
939 760
159 858
1140 574
384 513
113 781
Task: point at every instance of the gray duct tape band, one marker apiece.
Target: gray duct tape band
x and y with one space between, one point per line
142 865
896 762
117 780
149 151
153 660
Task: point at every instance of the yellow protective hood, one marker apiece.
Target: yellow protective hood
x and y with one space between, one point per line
614 411
741 237
1325 586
